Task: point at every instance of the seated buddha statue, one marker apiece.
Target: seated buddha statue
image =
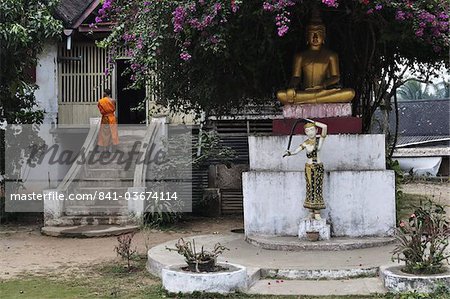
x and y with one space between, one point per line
315 74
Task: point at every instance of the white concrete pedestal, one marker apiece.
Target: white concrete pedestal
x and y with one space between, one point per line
313 225
358 191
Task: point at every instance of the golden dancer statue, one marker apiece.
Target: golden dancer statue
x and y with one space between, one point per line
314 170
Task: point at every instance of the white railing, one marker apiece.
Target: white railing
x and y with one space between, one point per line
155 129
87 147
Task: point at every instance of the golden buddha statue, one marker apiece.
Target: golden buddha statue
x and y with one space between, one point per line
317 69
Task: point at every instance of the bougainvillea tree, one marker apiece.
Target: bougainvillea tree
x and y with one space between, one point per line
223 54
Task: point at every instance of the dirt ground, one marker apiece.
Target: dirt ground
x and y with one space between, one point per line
25 250
438 192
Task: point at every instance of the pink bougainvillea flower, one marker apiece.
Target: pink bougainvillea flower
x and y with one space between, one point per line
185 56
330 3
419 32
412 215
402 224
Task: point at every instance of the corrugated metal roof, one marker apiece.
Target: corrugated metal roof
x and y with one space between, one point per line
420 118
405 141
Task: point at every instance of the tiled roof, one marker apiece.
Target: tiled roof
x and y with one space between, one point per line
423 118
69 11
419 118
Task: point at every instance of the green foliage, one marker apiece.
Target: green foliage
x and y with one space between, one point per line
415 90
441 292
25 27
395 166
423 240
407 203
161 219
238 58
209 148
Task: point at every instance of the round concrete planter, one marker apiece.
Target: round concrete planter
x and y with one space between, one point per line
176 280
397 281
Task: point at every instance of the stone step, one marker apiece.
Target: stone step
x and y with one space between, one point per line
88 231
97 210
92 220
134 131
347 287
92 195
92 190
107 173
283 243
122 155
111 164
103 183
129 140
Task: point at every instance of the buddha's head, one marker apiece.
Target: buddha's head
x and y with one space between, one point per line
315 32
310 130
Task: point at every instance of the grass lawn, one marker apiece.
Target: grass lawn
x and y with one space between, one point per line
109 280
112 280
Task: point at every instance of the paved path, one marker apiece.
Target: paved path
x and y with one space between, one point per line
361 287
248 255
303 268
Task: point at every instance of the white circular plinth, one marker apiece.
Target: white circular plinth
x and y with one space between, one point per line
176 280
398 282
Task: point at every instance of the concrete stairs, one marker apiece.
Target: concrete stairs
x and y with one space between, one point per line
367 286
103 182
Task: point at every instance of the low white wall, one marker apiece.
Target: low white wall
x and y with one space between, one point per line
359 203
176 280
339 152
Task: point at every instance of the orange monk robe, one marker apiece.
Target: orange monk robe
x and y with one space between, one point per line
108 129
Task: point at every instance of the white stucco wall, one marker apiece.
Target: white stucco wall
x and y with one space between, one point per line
358 191
359 203
339 152
45 176
47 80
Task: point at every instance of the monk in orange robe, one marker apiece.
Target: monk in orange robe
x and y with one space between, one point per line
108 129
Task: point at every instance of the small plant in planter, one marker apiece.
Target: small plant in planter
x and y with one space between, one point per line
423 240
201 261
